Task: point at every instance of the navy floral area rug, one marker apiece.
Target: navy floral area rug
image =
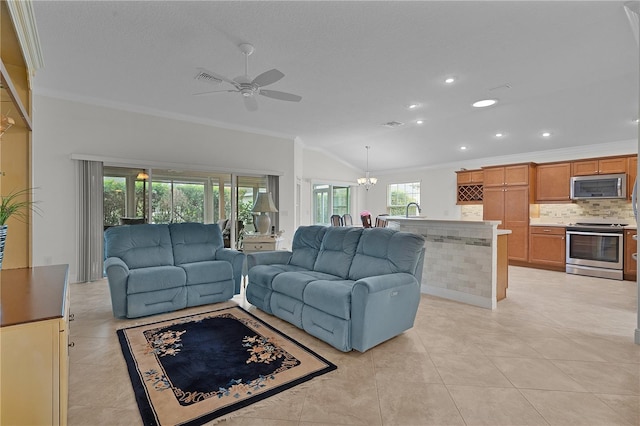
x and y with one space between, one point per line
193 369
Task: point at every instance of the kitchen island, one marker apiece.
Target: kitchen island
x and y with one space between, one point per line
465 261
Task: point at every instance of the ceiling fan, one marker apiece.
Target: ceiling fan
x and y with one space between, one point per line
247 87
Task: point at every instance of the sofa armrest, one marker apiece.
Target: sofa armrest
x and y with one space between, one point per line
236 258
117 275
280 257
382 307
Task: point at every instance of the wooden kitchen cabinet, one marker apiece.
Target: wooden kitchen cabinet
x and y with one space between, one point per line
599 166
517 174
469 176
547 246
510 205
553 182
470 186
508 191
630 247
34 345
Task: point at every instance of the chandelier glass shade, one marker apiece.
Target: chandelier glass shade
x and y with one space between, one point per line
367 181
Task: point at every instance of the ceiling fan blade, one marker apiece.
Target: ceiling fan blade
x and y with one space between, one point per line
212 92
283 96
205 73
268 77
250 103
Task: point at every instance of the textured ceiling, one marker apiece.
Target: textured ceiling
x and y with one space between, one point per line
567 67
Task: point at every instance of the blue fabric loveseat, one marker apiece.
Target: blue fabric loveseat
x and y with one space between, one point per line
160 268
351 287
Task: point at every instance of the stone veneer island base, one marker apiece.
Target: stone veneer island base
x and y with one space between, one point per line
465 261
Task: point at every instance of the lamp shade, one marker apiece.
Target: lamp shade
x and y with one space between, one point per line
264 203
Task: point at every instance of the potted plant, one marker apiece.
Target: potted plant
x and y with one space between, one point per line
17 204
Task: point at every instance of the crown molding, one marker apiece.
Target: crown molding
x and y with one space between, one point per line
24 23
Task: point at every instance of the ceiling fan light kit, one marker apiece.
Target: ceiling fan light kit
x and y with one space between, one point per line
247 87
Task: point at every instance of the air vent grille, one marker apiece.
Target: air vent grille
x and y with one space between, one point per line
393 124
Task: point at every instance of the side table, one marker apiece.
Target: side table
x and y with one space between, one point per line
252 243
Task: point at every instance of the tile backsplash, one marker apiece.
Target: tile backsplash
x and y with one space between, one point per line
597 210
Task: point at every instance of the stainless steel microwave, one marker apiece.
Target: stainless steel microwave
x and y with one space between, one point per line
599 186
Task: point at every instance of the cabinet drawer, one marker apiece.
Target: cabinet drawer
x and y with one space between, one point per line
549 230
259 246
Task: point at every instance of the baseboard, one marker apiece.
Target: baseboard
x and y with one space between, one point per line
458 296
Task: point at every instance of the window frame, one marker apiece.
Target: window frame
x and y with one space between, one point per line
413 196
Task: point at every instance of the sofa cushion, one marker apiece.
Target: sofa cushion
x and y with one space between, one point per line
332 297
263 275
306 244
208 272
384 251
293 283
155 278
140 246
337 250
195 242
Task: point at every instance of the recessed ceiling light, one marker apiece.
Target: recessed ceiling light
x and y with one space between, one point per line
463 148
484 103
413 106
637 120
546 134
499 135
449 80
419 121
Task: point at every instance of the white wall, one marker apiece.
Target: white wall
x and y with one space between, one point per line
66 127
438 184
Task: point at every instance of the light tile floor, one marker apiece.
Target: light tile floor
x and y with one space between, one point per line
558 351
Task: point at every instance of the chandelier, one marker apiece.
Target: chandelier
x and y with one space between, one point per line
367 181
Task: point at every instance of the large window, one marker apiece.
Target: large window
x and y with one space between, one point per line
329 200
401 194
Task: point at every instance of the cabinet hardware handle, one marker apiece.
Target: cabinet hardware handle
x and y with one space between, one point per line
547 230
72 344
72 317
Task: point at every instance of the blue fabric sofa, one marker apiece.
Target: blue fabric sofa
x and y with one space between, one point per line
153 269
350 287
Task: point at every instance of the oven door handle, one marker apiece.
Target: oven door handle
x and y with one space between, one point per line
596 233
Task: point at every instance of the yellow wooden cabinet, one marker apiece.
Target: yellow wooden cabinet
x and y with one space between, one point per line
34 336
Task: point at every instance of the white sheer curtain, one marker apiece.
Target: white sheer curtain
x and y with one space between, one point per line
273 186
90 223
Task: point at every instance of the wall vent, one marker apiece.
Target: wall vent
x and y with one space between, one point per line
393 124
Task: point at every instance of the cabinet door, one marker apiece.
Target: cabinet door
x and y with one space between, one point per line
553 182
518 241
584 168
630 247
547 246
516 201
632 172
493 204
477 176
463 177
516 175
612 165
516 218
493 176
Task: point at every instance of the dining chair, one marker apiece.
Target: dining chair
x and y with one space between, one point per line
366 221
347 220
381 222
336 220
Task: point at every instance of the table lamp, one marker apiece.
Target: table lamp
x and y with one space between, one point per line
264 205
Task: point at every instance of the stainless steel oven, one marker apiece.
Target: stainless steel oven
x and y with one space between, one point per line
595 250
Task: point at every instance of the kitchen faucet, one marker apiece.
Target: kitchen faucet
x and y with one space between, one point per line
417 206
